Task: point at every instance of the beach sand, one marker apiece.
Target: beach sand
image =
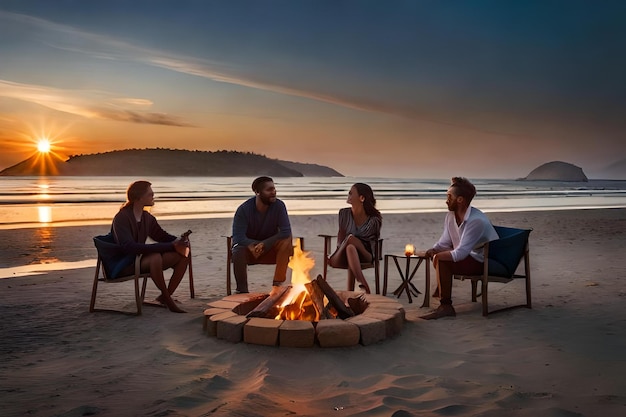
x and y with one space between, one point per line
565 357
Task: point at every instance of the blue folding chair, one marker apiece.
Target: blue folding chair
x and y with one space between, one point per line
502 258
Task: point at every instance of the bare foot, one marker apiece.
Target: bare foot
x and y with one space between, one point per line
175 309
171 304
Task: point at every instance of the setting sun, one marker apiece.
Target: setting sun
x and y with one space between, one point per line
43 145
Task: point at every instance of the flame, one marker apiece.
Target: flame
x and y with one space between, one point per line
300 263
297 305
409 250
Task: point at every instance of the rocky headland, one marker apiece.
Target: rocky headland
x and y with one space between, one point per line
167 162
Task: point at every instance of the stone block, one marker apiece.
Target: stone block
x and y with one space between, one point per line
336 333
372 330
260 331
246 302
381 308
296 333
393 320
227 305
231 328
242 298
211 312
212 322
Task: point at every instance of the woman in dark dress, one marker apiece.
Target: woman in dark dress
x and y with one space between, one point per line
132 225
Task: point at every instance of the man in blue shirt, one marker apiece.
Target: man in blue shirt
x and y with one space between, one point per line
261 234
459 249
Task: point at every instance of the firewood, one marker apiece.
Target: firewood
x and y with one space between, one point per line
317 296
270 302
343 311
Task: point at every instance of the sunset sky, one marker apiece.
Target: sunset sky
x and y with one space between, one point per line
424 89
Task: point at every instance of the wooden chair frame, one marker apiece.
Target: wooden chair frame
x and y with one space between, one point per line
378 256
139 295
486 277
229 260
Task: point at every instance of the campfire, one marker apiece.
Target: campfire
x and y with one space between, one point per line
306 299
304 313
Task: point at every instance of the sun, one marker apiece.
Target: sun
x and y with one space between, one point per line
43 145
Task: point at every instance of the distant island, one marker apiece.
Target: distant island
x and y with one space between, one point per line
167 162
557 171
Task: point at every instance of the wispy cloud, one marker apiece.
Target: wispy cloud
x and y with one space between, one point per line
106 47
88 104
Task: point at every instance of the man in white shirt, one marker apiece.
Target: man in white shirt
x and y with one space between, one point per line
459 249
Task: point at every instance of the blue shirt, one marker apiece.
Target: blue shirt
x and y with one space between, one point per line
252 226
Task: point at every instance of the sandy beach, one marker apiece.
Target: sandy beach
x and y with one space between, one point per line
566 357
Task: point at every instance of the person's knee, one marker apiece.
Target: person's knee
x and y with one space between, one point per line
239 256
182 260
239 251
173 260
335 263
351 250
284 246
155 260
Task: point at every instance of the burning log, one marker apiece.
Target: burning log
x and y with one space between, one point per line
270 302
343 311
317 297
300 308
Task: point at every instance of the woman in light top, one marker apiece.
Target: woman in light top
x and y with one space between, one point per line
359 229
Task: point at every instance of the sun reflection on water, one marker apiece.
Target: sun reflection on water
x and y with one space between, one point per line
45 214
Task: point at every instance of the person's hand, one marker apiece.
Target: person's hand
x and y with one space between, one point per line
256 249
430 253
182 247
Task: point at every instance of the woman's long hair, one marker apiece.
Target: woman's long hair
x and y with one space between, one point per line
369 201
135 191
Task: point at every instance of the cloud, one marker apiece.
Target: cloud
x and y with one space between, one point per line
105 47
448 105
88 104
134 117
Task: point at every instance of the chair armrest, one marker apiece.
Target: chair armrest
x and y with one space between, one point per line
378 249
327 244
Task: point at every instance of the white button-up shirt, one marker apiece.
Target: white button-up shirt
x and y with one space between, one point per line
468 237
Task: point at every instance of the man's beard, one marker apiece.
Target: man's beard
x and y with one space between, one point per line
267 200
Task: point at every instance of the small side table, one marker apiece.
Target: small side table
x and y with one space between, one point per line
408 274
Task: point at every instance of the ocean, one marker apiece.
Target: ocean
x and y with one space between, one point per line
27 202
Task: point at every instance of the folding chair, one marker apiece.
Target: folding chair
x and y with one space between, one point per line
502 258
107 249
377 245
229 260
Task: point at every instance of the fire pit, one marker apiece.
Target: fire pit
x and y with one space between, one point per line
306 313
